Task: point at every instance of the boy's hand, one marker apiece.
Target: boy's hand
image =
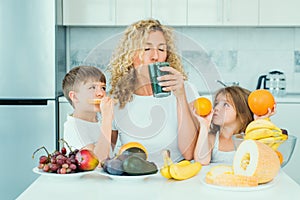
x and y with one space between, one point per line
107 106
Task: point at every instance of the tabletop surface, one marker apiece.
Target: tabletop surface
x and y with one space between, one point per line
97 186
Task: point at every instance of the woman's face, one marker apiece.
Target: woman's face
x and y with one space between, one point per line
155 50
224 112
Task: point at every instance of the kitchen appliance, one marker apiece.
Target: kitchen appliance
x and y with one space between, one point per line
274 81
28 104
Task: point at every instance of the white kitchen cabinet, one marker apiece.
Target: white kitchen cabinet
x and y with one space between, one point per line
170 12
88 12
130 11
279 13
287 117
223 12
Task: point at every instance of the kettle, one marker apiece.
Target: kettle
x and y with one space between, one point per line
274 81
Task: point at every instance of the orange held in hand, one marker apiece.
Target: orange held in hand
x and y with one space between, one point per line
203 106
260 101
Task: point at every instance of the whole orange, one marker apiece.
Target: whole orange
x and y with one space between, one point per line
260 100
202 106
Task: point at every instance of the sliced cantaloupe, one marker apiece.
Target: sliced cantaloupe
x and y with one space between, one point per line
254 158
223 175
217 170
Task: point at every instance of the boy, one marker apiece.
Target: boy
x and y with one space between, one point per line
84 87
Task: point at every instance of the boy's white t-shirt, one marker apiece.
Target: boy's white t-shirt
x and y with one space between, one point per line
79 133
153 123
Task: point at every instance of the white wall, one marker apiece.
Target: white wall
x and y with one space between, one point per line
238 53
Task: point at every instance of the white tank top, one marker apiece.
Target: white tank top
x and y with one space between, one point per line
152 122
225 157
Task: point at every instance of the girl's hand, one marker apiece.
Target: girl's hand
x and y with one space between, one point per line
204 121
172 82
270 113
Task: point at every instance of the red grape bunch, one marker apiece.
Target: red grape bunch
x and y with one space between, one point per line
58 162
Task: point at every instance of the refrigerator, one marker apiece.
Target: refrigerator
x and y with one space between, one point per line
29 72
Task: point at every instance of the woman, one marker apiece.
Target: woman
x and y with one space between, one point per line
157 123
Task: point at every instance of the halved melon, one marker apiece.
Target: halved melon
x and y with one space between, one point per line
254 158
134 147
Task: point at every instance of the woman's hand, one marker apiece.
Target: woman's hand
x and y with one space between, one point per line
172 82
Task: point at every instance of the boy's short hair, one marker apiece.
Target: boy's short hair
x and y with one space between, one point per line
78 75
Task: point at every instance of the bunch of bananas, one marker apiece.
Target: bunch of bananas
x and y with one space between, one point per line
179 171
266 132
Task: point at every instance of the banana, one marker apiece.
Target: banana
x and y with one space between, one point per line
278 141
274 142
256 134
266 132
282 137
261 123
275 145
165 170
179 172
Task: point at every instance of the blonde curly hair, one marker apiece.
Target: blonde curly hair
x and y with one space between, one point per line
123 74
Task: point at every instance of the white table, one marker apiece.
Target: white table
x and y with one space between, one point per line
96 186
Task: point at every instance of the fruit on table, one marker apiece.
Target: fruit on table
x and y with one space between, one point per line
260 101
134 148
202 106
165 170
135 165
254 158
86 159
130 160
179 171
266 132
223 175
60 162
114 166
183 172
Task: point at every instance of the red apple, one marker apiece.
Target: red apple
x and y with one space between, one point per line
87 160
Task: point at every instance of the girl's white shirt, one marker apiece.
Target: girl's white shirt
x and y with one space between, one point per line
153 123
79 133
218 156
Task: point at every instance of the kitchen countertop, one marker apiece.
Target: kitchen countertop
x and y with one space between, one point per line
96 186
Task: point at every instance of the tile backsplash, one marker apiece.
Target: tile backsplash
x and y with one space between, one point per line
229 54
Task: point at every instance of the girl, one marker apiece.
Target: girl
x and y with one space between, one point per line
230 116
